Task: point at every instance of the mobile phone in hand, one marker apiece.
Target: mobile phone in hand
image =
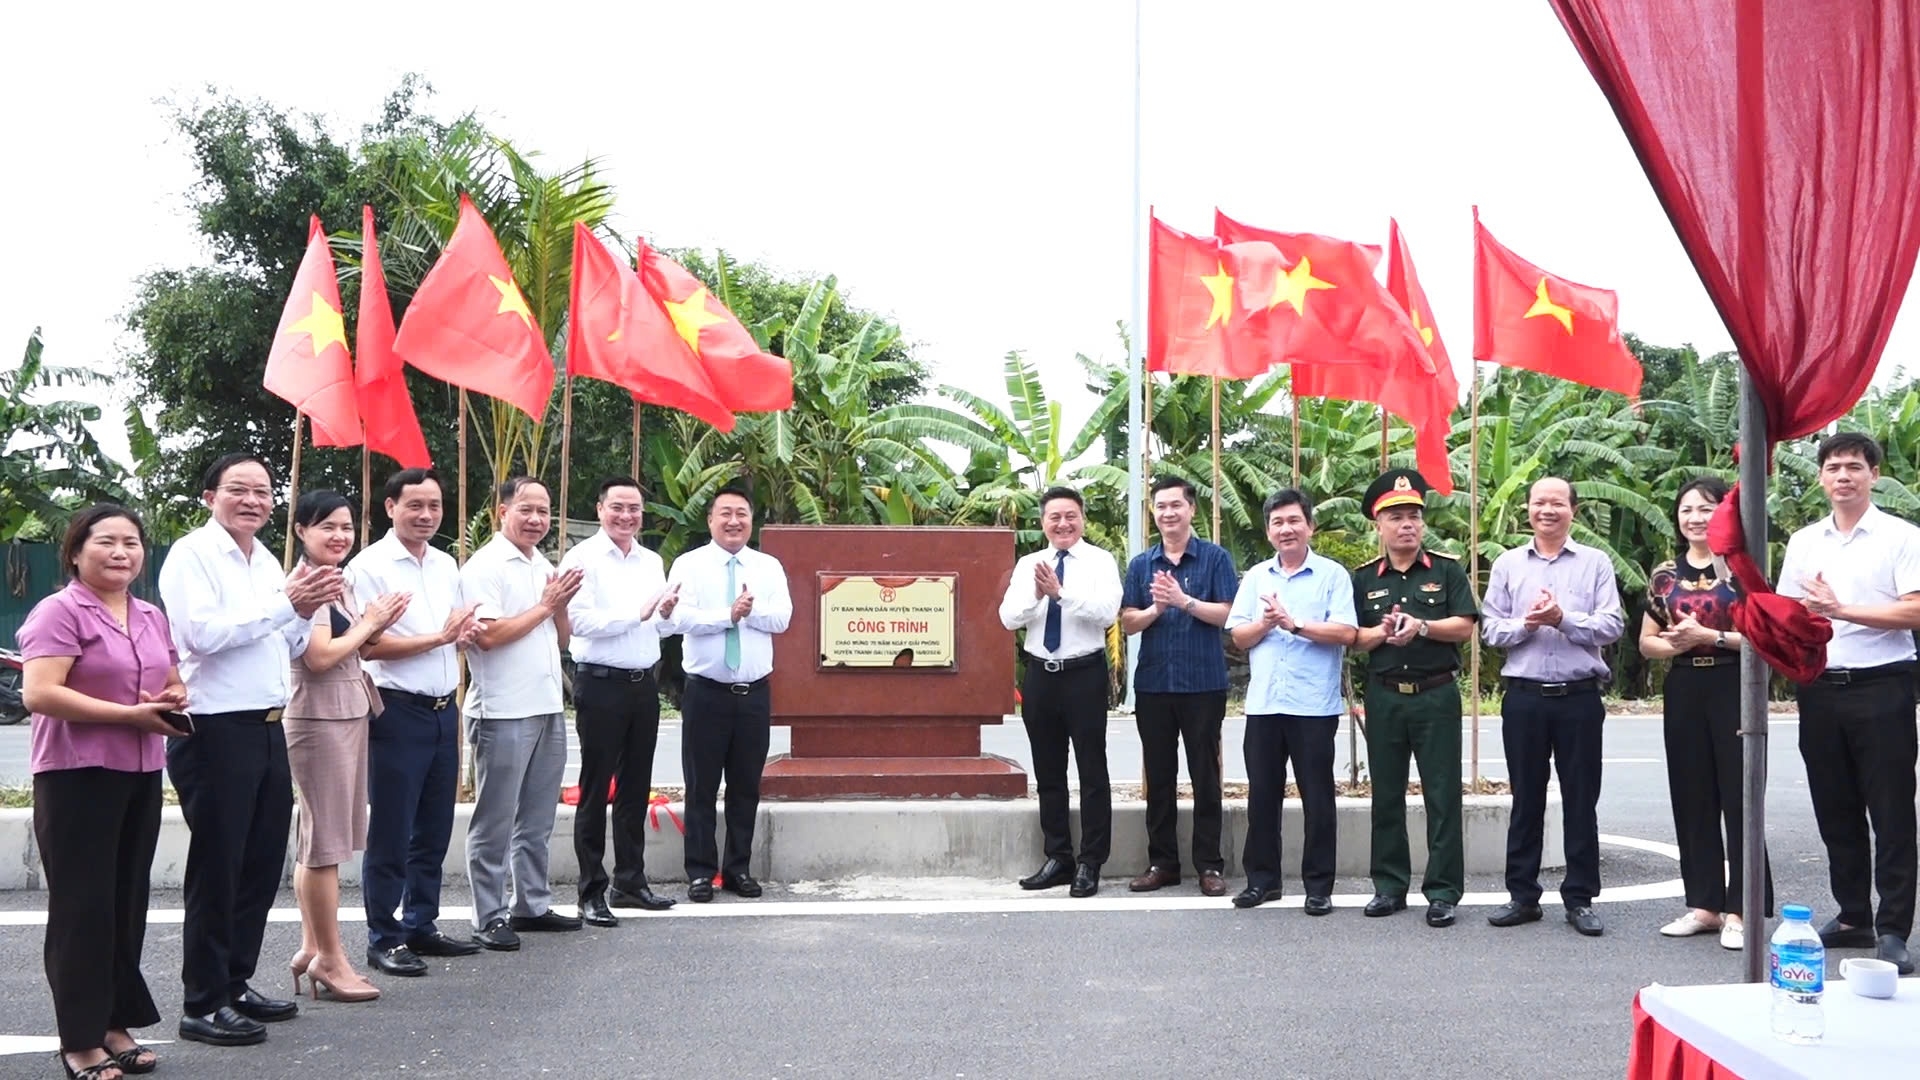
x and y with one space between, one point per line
178 721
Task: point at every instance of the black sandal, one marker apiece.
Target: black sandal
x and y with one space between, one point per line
136 1059
95 1071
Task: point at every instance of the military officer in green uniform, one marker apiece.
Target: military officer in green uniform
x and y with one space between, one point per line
1415 607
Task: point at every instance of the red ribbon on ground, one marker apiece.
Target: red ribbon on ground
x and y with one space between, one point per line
657 802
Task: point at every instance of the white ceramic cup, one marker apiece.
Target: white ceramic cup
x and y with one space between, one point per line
1870 978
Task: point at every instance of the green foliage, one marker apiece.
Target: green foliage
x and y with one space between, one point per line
50 463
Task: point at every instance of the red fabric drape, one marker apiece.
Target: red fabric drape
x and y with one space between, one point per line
1659 1054
1783 139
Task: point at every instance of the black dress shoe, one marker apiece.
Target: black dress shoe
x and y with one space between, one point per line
499 937
1513 913
1382 905
594 912
222 1027
645 899
1835 936
1253 896
1584 919
1893 949
1440 913
1052 874
1319 905
398 960
439 944
545 922
1086 882
701 891
254 1005
743 886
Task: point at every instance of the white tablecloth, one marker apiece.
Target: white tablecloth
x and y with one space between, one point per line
1867 1039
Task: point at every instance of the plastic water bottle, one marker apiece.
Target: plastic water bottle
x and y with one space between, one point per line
1799 976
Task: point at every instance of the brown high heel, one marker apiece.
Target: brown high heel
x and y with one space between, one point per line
298 965
317 981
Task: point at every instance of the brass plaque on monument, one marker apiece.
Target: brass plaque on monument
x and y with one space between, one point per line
882 621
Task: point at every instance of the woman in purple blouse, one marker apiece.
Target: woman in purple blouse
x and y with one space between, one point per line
101 678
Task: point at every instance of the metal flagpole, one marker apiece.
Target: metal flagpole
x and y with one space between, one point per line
1136 364
1216 458
293 490
1753 683
1473 563
366 494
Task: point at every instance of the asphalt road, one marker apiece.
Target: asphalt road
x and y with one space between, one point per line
848 986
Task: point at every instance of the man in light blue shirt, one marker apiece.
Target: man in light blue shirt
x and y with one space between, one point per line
1294 616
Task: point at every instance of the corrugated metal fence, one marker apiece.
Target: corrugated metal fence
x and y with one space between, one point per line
33 573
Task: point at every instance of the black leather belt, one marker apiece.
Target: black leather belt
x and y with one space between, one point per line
1408 683
1554 689
737 689
1849 676
422 700
1072 663
1712 661
617 674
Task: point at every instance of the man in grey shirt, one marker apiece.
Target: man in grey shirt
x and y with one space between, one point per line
1552 604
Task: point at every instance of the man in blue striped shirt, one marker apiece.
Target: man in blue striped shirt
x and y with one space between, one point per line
1176 598
1294 615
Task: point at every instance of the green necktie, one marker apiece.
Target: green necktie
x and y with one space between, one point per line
733 631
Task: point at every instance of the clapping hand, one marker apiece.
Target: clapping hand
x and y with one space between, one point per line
387 609
742 604
664 603
461 626
1401 627
1819 597
1166 591
1544 612
1044 582
309 587
1274 614
1687 635
561 587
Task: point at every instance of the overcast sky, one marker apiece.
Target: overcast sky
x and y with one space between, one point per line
963 168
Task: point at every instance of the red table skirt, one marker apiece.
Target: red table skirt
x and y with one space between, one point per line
1659 1054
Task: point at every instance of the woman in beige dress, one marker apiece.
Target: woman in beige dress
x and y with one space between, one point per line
327 749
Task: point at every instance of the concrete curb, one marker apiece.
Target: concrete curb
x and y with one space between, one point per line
812 841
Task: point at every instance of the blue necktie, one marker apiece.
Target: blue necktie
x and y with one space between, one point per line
1052 638
733 631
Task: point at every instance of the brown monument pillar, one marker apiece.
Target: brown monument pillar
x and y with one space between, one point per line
893 661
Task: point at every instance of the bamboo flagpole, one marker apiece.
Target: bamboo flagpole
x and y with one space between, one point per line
460 504
566 455
1296 433
1473 564
366 494
634 465
1216 458
293 490
1384 422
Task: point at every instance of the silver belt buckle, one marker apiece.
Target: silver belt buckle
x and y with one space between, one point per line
740 689
1706 661
1053 665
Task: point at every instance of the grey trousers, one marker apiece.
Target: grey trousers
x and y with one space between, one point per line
519 764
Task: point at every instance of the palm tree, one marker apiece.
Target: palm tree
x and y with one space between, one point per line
50 463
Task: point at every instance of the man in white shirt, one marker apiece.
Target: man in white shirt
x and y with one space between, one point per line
731 601
616 698
1860 567
413 746
518 723
1065 596
237 624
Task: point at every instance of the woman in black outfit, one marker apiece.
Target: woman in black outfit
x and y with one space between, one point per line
1689 621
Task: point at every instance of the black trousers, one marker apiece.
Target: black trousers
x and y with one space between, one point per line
413 776
1705 779
723 734
1063 709
619 725
1859 745
96 829
237 797
1272 741
1564 732
1165 721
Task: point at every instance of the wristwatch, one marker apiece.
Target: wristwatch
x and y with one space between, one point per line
1188 606
1720 640
1423 628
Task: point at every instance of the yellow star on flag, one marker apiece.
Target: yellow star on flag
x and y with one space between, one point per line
1544 306
1220 285
322 326
1426 332
690 315
511 300
1293 286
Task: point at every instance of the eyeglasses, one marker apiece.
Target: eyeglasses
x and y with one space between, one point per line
260 494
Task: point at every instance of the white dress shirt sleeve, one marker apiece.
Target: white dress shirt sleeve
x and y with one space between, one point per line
205 624
481 585
1097 600
773 610
593 613
688 617
1791 570
1246 602
1023 600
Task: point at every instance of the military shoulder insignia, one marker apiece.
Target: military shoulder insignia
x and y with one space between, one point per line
1442 555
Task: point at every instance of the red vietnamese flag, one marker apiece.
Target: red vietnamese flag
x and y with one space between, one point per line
307 365
1197 319
618 335
1404 286
379 382
1327 307
1527 318
745 378
470 326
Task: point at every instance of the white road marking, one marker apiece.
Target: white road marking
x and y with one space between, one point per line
47 1044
